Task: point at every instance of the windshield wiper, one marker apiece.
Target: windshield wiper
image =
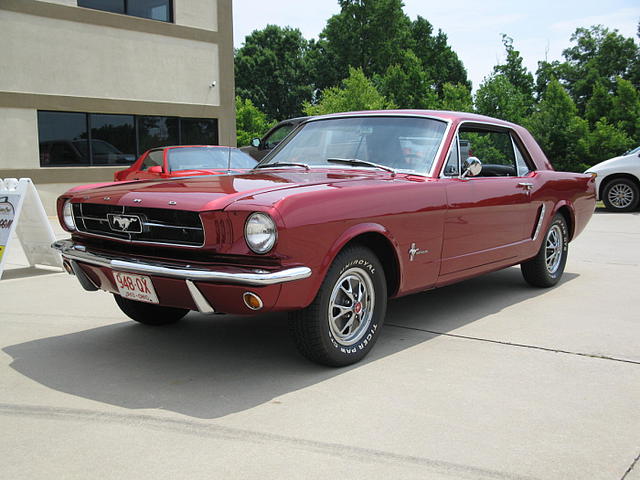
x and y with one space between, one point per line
363 163
284 164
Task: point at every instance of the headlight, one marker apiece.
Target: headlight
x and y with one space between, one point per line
67 215
260 232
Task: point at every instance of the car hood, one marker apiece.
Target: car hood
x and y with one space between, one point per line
614 162
216 192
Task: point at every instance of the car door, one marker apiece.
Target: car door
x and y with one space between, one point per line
489 216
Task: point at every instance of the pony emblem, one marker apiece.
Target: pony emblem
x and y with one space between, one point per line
125 223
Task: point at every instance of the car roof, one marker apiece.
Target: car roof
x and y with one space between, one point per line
445 115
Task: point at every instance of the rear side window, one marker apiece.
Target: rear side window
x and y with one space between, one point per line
521 162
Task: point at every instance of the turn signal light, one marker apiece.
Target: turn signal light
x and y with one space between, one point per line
252 301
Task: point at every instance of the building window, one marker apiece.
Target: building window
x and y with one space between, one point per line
153 9
157 131
113 139
199 131
71 139
63 139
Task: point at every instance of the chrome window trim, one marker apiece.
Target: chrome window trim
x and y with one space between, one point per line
508 128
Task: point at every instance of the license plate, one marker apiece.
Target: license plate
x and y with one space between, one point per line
135 287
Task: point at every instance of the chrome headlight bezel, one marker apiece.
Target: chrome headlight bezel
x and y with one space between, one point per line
67 216
260 224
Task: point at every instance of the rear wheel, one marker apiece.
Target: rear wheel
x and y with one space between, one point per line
148 313
343 322
621 195
546 268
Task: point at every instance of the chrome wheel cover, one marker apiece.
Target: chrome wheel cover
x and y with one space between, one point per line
554 248
620 195
351 306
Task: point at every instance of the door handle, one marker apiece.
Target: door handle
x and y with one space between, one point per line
526 185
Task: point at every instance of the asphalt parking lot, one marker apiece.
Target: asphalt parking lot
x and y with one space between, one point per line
487 379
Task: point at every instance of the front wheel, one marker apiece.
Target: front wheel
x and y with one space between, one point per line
621 195
148 313
344 320
546 268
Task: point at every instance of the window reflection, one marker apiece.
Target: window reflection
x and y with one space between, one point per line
153 9
115 6
63 138
199 131
85 139
113 139
157 132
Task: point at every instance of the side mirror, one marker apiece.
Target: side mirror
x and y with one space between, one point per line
255 142
156 169
471 168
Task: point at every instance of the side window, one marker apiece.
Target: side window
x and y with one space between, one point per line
521 163
452 167
277 136
493 148
153 160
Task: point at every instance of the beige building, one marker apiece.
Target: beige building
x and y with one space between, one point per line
88 85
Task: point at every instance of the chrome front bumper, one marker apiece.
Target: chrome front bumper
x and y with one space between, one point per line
228 275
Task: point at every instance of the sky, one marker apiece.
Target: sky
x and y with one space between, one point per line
540 29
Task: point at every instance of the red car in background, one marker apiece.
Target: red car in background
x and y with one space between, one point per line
186 161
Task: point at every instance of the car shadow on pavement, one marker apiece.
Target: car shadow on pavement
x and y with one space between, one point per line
212 366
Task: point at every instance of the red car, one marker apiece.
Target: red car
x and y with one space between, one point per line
350 210
185 161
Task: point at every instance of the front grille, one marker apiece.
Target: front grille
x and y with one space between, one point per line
159 225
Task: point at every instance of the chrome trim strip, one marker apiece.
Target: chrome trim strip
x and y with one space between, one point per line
539 226
507 127
178 227
71 251
141 242
203 305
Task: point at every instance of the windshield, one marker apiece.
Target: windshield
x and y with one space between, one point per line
635 150
403 143
196 158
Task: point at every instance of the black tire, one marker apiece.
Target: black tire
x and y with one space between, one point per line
148 313
621 195
542 270
321 340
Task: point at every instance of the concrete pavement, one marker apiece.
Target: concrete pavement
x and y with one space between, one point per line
487 379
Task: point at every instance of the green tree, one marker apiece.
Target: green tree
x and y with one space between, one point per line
439 61
407 85
604 141
599 105
599 54
271 70
357 93
557 128
625 111
513 69
367 34
498 97
456 98
250 122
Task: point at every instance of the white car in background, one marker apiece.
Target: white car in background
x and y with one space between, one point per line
618 181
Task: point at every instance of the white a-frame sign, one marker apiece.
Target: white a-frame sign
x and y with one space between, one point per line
22 212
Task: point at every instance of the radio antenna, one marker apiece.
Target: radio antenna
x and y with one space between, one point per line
229 161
